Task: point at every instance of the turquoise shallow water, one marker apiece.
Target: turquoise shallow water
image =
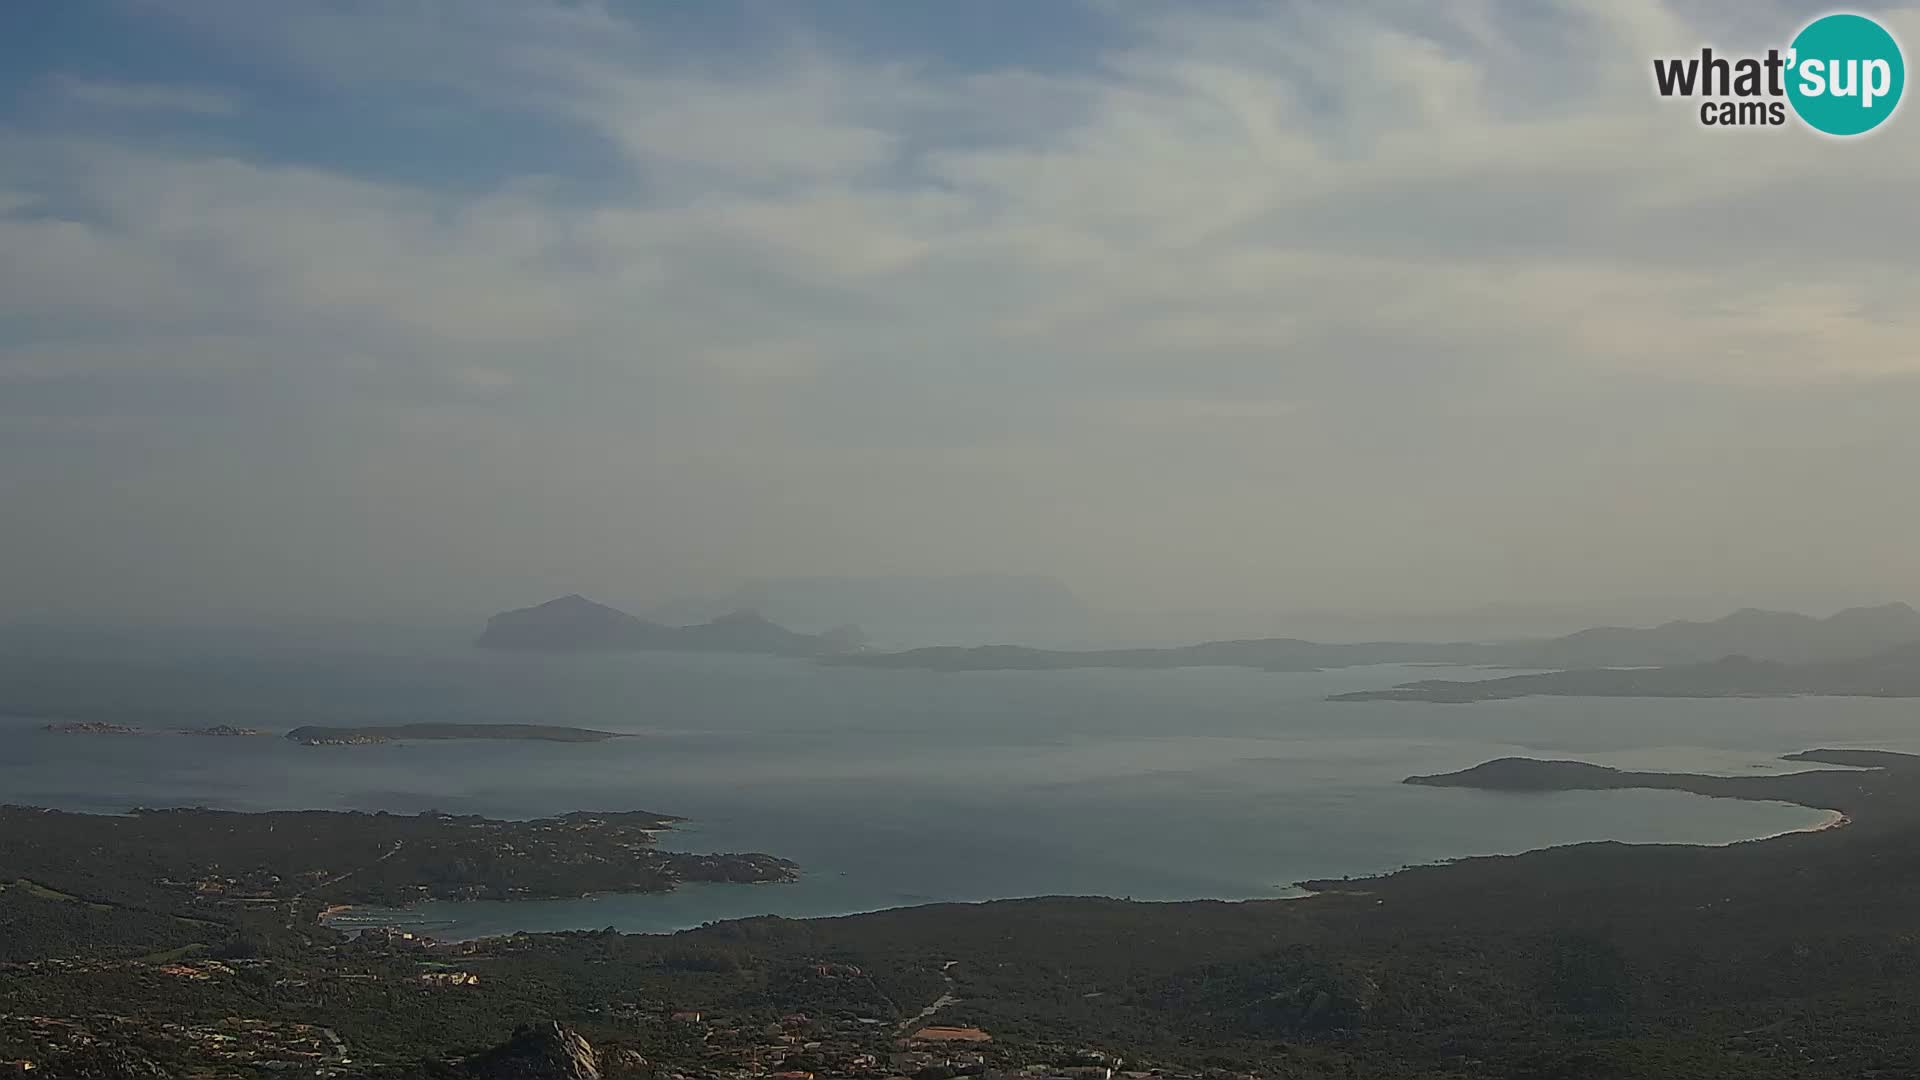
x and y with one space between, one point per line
895 788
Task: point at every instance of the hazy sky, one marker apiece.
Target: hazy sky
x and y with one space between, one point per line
409 306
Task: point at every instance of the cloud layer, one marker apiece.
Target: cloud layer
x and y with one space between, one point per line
1233 305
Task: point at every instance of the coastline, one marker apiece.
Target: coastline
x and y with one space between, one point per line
409 918
1833 821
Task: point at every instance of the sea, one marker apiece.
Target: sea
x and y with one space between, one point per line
895 788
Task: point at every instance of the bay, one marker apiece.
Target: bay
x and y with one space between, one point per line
906 787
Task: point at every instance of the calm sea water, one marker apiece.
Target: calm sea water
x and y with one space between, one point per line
896 787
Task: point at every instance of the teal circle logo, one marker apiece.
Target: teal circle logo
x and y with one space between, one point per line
1846 74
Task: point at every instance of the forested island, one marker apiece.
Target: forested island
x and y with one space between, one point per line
315 735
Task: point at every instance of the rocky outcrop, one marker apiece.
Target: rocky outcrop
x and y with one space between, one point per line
550 1050
547 1050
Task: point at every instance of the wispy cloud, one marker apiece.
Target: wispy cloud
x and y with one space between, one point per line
147 97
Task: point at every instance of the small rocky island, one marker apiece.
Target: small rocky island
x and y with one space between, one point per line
368 736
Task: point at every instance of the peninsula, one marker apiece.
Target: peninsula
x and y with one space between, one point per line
1878 785
194 861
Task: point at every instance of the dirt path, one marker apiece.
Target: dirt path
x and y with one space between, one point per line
344 875
945 999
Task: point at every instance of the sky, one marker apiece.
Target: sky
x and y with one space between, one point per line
389 307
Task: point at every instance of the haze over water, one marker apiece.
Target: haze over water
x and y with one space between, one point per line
905 787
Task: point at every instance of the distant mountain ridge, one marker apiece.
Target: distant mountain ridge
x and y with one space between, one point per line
1894 673
1783 636
1269 654
1773 636
574 623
